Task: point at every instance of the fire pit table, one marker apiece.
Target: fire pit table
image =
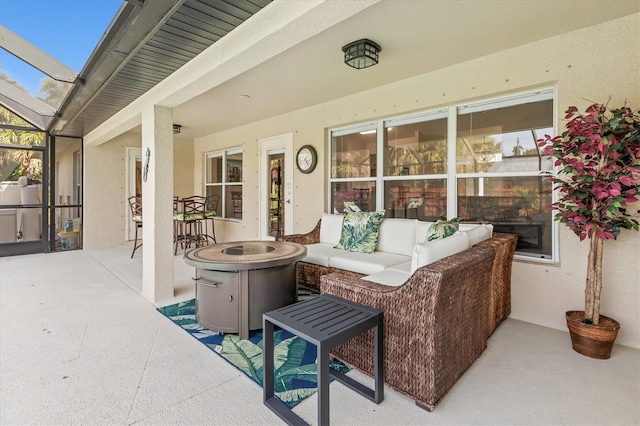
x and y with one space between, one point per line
236 282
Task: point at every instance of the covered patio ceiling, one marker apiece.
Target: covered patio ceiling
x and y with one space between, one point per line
149 40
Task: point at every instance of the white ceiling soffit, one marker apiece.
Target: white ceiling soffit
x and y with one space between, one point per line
300 63
146 43
416 37
276 30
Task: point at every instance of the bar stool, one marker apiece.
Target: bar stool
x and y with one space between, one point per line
135 204
210 211
188 221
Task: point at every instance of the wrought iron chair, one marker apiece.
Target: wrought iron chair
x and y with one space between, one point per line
188 221
135 204
210 211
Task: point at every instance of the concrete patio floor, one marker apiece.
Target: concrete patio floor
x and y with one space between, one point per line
80 345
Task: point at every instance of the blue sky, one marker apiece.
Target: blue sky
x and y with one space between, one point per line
68 30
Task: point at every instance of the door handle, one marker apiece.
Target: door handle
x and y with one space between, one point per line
206 282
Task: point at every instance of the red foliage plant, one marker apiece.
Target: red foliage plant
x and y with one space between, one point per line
598 156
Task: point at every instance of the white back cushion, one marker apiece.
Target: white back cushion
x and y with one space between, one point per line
331 228
397 236
426 253
421 231
477 232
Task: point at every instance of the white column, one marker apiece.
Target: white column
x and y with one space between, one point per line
157 203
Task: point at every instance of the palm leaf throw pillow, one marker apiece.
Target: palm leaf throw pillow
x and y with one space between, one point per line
360 231
442 229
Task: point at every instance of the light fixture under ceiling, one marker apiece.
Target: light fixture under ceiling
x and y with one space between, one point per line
361 53
176 129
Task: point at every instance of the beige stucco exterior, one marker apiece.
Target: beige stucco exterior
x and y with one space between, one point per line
586 65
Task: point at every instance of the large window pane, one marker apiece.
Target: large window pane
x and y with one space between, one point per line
214 170
354 155
503 140
416 149
234 168
233 202
416 199
223 178
512 204
356 196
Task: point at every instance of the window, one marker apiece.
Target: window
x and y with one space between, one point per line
479 162
223 178
415 166
498 165
353 169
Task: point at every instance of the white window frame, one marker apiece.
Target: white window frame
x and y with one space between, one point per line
224 184
451 112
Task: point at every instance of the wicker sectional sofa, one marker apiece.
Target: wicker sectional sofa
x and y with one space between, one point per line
441 303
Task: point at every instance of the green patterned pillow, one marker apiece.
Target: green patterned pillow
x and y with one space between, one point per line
442 229
360 231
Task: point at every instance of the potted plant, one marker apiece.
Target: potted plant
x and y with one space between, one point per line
598 156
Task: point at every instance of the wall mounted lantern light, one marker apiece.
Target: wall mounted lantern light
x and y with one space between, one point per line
176 129
361 53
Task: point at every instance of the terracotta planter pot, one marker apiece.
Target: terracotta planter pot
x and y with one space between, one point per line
594 341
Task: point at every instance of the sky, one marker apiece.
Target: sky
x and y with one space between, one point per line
68 30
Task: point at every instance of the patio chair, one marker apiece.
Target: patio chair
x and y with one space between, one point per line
135 204
210 211
188 221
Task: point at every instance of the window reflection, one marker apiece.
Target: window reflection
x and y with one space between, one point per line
354 155
513 204
416 199
354 196
504 139
224 175
416 148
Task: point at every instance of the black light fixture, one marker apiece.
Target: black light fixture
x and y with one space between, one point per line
176 129
361 53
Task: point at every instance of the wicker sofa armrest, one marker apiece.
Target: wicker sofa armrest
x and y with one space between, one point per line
500 289
311 237
437 321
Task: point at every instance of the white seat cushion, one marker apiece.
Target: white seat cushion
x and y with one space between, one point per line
320 253
426 253
401 267
397 236
365 263
477 232
388 277
331 228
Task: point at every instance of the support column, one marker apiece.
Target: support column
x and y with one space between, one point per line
157 203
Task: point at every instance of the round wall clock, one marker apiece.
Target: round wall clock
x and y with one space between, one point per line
306 159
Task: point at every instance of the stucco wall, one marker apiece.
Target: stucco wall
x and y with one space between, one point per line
105 187
183 166
105 192
587 65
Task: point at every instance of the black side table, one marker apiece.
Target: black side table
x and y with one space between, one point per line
326 321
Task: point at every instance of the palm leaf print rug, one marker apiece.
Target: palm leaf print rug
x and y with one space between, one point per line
294 358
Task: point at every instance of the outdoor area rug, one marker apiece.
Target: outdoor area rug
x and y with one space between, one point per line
294 358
